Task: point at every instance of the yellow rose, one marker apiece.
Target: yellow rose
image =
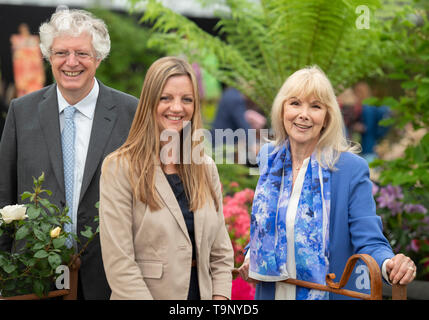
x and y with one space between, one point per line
14 212
55 232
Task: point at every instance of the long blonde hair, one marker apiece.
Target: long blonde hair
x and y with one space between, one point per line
142 147
313 81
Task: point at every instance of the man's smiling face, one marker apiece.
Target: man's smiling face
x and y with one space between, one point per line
74 64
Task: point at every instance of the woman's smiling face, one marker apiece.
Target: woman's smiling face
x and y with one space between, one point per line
304 119
176 104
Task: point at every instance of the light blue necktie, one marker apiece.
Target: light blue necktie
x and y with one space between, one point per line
67 139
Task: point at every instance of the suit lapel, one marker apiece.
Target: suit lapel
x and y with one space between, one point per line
50 124
103 123
168 197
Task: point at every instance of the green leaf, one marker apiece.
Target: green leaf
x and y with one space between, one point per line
41 179
54 260
389 101
22 232
372 101
31 262
409 85
33 212
39 235
58 242
26 195
45 202
46 227
87 233
54 208
38 287
41 254
38 246
49 192
9 268
398 76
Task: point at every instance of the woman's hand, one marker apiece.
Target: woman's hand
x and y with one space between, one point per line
217 297
244 269
401 269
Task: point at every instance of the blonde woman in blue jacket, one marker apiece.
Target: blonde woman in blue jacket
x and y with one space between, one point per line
313 206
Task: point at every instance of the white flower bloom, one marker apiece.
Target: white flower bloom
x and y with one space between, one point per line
13 212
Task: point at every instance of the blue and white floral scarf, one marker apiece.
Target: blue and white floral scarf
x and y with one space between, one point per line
268 243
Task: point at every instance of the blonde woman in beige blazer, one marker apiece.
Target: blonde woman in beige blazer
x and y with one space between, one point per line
162 230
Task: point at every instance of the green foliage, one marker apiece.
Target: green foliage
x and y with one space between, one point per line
268 40
39 244
405 222
412 68
411 171
236 173
125 68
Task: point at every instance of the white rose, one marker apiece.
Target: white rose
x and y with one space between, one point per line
14 212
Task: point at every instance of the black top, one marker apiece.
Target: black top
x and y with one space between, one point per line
179 191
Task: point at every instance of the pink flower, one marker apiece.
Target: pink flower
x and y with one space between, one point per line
390 197
415 208
242 225
237 219
415 245
234 184
375 189
241 290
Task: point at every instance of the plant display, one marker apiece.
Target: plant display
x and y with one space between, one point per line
262 42
39 244
236 210
242 290
411 67
406 224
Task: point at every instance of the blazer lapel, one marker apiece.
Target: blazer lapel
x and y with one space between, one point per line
50 124
167 195
103 123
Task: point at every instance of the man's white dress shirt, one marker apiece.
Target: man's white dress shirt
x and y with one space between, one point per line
83 119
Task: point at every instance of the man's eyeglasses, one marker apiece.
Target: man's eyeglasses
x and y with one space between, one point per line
80 55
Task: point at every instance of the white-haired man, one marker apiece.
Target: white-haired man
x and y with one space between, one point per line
66 130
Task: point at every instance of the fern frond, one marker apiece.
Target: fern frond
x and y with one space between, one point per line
266 41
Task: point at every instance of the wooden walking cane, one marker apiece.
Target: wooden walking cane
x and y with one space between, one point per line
399 292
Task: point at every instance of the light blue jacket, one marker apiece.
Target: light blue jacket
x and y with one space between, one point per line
354 226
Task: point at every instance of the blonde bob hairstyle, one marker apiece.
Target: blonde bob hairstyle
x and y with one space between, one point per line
311 82
142 147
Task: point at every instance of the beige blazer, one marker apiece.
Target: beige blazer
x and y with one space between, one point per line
148 255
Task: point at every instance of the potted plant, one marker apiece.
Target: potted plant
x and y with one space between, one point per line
40 262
